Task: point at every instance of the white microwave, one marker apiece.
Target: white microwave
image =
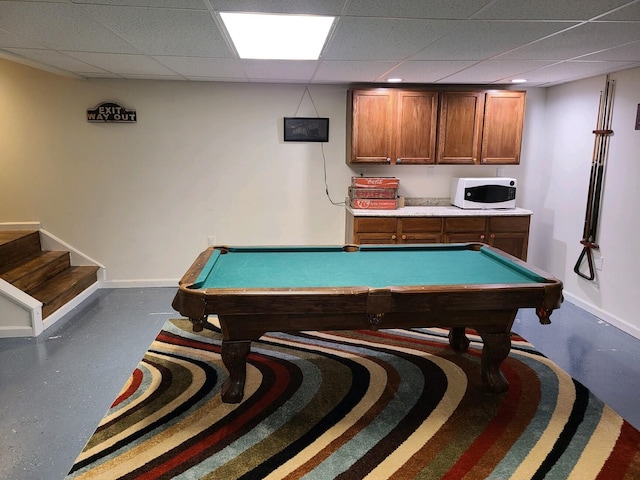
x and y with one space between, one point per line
480 193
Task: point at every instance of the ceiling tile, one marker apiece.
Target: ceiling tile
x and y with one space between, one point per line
61 26
568 71
428 71
9 40
157 31
548 9
203 67
630 12
57 60
492 71
582 40
351 72
184 4
624 53
475 40
383 39
442 9
294 70
123 64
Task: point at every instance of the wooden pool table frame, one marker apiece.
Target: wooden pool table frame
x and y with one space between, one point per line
245 315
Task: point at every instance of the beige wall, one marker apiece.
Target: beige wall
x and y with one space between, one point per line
208 159
203 159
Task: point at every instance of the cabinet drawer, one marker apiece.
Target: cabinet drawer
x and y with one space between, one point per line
375 225
420 224
465 224
509 224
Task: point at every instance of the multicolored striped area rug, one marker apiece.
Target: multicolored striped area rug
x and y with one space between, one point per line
352 405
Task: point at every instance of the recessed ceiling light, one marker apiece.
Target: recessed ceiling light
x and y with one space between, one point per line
277 37
519 80
394 80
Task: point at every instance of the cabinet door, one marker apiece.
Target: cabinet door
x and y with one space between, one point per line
502 132
512 243
464 237
416 127
375 238
373 230
460 127
421 238
465 229
510 234
372 135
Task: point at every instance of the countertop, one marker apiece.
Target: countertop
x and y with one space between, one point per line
439 211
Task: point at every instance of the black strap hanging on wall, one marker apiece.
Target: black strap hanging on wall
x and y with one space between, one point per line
598 163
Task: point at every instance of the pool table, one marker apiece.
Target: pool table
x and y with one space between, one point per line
254 290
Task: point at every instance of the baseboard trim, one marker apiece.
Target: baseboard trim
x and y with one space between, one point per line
620 324
10 332
140 283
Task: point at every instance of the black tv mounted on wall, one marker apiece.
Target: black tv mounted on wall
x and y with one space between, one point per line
306 129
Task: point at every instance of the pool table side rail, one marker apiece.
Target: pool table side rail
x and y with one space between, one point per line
352 299
198 303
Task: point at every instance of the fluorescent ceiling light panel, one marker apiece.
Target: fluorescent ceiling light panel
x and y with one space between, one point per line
277 37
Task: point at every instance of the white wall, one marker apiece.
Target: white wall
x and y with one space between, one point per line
557 193
208 159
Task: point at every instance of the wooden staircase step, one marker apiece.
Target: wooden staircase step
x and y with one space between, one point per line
17 245
37 269
61 288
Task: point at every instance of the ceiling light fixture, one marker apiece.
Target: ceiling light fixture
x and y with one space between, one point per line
519 80
277 37
394 80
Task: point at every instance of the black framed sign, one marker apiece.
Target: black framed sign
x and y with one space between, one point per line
306 129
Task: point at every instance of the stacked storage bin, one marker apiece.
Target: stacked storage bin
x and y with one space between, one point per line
380 193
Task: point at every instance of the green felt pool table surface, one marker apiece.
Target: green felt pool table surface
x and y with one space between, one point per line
372 266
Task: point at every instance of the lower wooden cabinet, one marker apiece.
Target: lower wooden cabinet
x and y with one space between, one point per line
508 233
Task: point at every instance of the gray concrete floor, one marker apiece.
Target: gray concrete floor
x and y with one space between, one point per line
54 389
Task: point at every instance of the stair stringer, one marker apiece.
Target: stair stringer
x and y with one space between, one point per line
20 314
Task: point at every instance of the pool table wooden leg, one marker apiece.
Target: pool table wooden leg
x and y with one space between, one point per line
458 340
234 357
496 348
198 323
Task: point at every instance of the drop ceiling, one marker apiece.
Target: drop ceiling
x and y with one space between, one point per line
548 42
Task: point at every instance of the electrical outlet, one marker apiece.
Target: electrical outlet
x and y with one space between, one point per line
211 240
597 262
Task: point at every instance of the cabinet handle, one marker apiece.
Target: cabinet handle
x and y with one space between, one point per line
393 237
481 237
388 159
493 235
398 160
404 237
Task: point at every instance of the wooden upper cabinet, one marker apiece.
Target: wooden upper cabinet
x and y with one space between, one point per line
460 127
393 126
502 131
416 127
388 126
372 124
